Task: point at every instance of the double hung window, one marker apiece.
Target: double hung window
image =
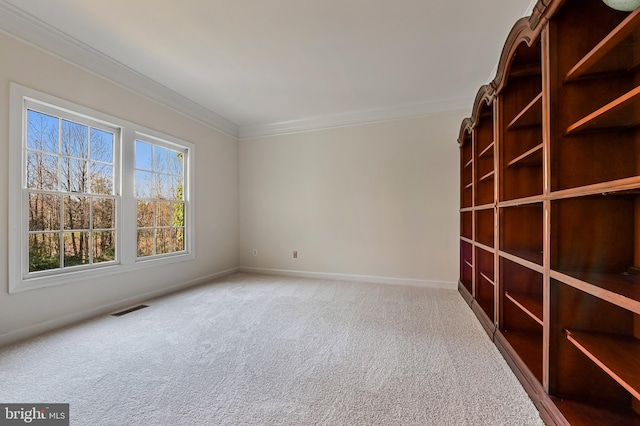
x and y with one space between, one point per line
69 189
92 194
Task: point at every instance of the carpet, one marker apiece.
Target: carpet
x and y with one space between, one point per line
264 350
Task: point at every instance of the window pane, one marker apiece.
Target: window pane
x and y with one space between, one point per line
163 241
144 181
44 252
101 146
44 212
104 213
163 213
145 214
104 246
175 189
175 163
177 239
145 242
42 171
178 214
42 131
76 213
74 140
101 178
160 159
143 156
74 175
76 248
160 186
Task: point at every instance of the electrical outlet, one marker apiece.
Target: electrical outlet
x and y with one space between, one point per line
295 254
255 252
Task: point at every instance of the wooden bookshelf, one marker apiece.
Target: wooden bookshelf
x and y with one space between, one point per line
550 210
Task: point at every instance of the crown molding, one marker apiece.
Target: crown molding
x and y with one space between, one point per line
21 25
357 117
26 27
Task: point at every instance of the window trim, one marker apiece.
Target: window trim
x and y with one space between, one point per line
124 172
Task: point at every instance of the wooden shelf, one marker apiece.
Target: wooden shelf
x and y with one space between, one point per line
617 355
489 280
469 163
585 413
533 256
531 304
466 240
485 247
519 258
486 150
487 176
468 186
530 116
613 53
623 112
528 346
621 289
526 71
531 158
468 263
627 185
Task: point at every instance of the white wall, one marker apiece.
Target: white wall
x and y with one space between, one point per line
374 200
216 197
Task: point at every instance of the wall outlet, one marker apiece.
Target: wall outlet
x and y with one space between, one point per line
295 254
255 252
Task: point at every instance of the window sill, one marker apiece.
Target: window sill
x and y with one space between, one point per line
20 285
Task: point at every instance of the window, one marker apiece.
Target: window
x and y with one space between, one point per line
70 190
160 201
92 194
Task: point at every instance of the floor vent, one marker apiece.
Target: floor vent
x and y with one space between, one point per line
126 311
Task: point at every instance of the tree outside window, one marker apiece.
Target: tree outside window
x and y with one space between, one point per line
70 185
159 181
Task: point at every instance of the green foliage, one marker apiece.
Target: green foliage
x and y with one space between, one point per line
40 260
178 210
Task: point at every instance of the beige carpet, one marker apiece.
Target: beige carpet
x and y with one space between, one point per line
258 350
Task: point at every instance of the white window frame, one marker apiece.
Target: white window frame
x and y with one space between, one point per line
124 190
145 138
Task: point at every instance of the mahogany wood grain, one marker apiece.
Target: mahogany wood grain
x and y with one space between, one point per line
530 304
618 355
613 52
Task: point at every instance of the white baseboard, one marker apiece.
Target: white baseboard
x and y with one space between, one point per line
349 277
36 329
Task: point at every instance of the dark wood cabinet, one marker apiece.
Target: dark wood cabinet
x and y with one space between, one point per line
550 210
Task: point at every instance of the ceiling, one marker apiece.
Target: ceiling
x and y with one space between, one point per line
258 67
